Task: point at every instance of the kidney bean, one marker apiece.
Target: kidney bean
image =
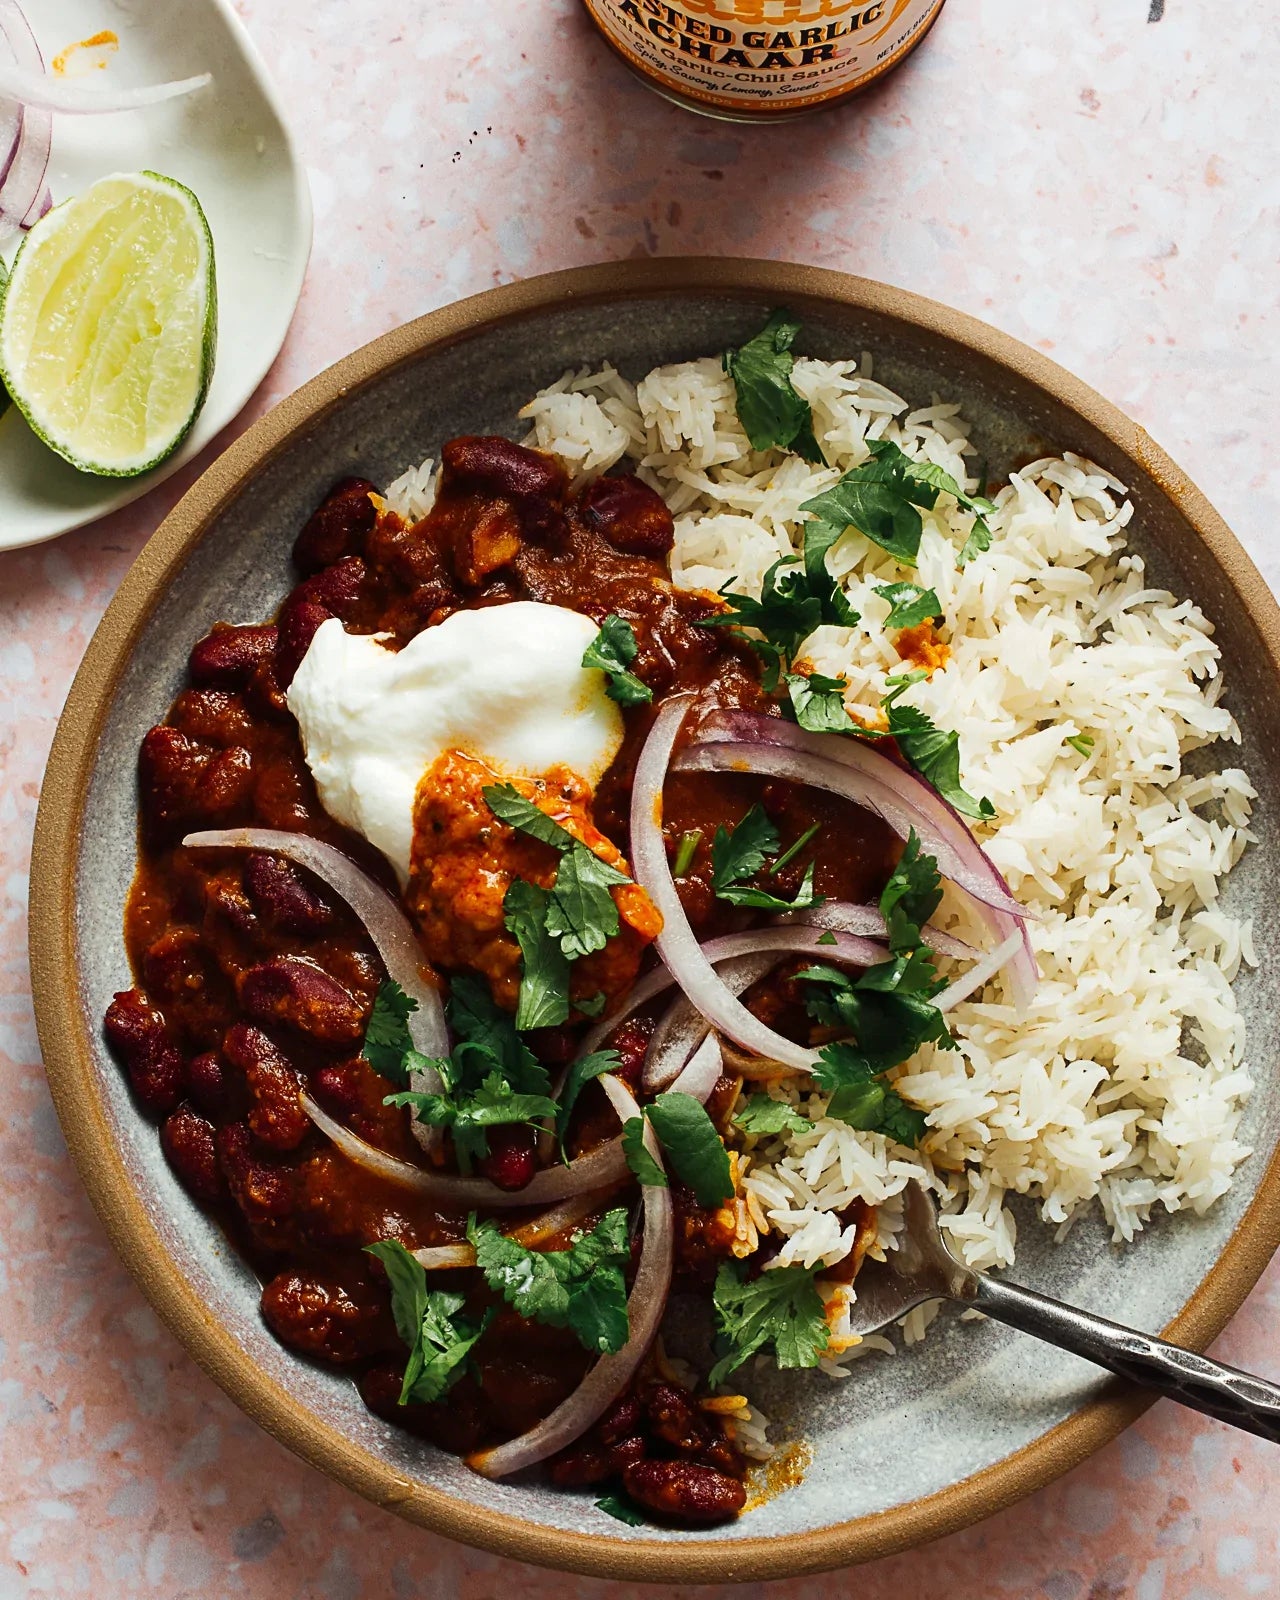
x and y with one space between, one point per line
227 910
187 1141
722 1099
138 1035
285 900
631 1041
630 515
490 462
621 1420
209 1083
337 527
325 1319
294 991
282 798
229 657
339 1090
460 1423
675 1419
184 977
509 1162
328 594
264 1193
276 1118
685 1491
214 716
594 1462
185 782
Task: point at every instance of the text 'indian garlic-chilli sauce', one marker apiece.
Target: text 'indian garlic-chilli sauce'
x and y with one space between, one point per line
745 60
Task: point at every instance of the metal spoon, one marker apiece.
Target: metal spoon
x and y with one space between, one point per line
922 1268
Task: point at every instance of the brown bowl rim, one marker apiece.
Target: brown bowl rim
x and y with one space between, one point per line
64 1036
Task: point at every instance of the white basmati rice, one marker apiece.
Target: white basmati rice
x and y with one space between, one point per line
1125 1082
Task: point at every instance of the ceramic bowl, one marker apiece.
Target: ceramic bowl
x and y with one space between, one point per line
906 1448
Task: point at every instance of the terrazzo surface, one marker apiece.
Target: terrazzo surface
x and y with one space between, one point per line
1099 180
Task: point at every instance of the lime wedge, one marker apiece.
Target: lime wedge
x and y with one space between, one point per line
108 321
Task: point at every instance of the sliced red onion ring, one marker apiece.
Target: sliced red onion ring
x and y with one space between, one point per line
530 1234
25 162
385 923
41 90
844 916
677 944
682 1026
646 1305
742 741
978 973
599 1168
440 1257
700 1074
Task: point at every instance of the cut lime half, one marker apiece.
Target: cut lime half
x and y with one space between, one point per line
108 323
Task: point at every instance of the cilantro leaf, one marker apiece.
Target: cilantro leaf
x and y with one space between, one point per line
580 1074
692 1145
386 1036
544 980
771 412
818 703
489 1033
740 854
1083 743
613 650
763 1115
439 1340
510 806
781 1306
581 1288
622 1509
581 912
911 896
592 1005
794 600
935 755
909 604
643 1167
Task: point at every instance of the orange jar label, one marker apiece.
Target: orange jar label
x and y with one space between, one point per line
763 55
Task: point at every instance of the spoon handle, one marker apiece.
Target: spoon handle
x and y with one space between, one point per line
1209 1386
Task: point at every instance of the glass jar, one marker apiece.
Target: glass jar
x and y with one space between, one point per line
762 60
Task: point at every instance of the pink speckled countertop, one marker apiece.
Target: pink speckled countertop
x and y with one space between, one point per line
1096 182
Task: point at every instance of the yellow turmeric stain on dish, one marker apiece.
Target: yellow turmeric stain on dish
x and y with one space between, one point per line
921 647
785 1469
105 44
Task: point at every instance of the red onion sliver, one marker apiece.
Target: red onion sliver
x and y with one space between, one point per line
599 1168
646 1305
701 1072
440 1257
385 923
44 92
22 190
683 1026
677 944
530 1234
978 973
740 741
845 917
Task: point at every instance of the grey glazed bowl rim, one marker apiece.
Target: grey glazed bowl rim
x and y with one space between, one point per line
64 1029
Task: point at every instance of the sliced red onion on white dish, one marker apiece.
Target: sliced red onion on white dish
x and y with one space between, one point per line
35 88
646 1305
677 944
845 916
28 130
385 923
596 1170
743 741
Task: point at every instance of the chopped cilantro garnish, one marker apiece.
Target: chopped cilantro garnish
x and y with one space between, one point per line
794 849
439 1340
818 702
643 1167
510 806
826 938
763 1115
911 896
622 1509
692 1145
490 1078
544 976
933 753
386 1038
741 854
582 912
581 1288
687 849
909 604
1083 742
772 414
781 1306
613 650
883 499
582 1072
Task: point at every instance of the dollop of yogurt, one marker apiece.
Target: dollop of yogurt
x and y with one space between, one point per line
504 684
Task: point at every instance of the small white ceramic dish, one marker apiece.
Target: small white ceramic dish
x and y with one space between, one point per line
231 145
